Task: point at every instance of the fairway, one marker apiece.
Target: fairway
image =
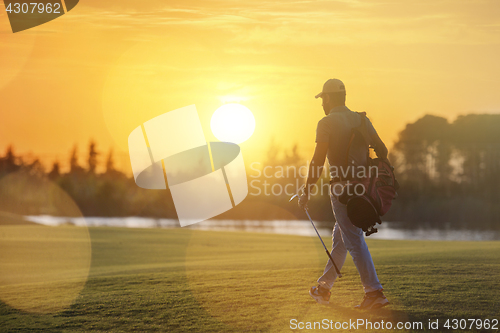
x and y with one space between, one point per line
183 280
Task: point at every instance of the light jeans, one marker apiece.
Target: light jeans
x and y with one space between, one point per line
347 237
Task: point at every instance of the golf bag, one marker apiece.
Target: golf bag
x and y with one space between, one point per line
365 207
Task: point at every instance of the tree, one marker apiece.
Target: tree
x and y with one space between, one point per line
75 168
92 159
424 151
55 173
9 163
110 162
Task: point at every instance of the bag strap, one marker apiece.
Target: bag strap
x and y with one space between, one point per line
362 129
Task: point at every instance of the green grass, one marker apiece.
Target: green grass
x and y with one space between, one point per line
181 280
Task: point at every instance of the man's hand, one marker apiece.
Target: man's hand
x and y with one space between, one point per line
303 199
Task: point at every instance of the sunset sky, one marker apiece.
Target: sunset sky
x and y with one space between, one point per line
107 66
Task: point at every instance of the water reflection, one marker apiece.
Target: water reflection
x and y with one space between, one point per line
388 230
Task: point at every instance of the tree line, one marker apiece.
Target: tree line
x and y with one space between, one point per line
449 171
449 174
108 193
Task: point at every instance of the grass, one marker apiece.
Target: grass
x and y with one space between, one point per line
183 280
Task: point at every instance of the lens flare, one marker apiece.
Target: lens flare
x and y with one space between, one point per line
42 268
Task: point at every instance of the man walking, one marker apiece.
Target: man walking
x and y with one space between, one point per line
333 136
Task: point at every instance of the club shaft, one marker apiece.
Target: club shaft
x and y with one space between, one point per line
309 216
324 246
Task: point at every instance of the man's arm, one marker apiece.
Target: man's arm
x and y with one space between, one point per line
316 166
379 147
375 141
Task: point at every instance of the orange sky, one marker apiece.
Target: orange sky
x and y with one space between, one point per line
107 66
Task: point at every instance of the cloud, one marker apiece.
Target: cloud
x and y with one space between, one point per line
305 22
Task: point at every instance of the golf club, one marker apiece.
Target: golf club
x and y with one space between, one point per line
317 233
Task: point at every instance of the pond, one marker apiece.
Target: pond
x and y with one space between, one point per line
388 230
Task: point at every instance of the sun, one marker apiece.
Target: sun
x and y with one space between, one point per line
232 122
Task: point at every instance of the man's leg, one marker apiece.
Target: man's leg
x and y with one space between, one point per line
339 253
354 242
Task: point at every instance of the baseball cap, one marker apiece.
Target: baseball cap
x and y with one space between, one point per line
332 86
